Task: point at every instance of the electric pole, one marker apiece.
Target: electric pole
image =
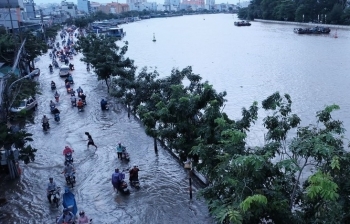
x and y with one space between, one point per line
42 24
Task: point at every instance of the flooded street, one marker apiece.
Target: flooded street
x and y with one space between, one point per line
163 197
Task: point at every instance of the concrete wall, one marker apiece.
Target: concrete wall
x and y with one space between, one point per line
304 24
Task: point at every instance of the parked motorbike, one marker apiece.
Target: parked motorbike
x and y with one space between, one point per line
56 196
46 126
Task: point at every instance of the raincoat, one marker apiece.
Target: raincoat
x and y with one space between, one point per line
69 201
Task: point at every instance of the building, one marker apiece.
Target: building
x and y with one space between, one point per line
94 6
69 8
114 8
194 4
29 8
84 6
210 4
171 5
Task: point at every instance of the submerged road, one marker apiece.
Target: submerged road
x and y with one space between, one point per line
163 197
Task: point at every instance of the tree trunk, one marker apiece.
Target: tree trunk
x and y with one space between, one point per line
106 80
129 111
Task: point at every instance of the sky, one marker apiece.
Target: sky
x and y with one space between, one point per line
124 1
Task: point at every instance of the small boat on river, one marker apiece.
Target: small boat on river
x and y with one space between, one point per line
242 23
315 30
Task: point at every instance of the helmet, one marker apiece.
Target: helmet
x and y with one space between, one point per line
116 170
135 165
81 212
119 143
50 178
66 147
65 210
44 115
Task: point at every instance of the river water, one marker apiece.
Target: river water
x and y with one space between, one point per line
250 63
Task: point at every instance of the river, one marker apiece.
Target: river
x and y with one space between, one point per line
250 63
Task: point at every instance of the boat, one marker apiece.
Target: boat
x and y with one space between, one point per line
116 32
154 38
315 30
242 23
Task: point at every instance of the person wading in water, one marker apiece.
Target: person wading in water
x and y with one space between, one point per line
90 140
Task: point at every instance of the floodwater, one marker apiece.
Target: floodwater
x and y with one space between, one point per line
164 193
250 63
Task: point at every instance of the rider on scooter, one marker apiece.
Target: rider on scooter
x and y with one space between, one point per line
51 186
134 173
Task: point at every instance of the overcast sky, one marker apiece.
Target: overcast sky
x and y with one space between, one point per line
124 1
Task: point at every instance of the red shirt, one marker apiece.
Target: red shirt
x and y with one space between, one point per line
67 150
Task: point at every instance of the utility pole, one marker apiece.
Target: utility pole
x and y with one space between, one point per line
42 24
8 1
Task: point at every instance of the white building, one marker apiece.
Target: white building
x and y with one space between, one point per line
94 6
84 6
70 8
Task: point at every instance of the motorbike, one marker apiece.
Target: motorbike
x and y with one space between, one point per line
71 66
135 183
71 58
53 86
104 107
123 188
84 101
69 90
51 69
57 117
55 64
46 126
52 107
125 155
80 108
56 196
50 55
68 159
70 179
74 103
70 79
57 98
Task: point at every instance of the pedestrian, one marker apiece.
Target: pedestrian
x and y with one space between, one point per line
90 140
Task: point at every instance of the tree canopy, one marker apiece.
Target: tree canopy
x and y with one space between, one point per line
331 11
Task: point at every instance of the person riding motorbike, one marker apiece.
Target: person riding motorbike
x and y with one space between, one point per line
80 103
83 97
66 217
57 96
53 84
68 171
83 219
103 104
67 150
55 111
50 67
120 148
52 104
71 66
45 120
73 99
51 186
134 173
80 90
70 78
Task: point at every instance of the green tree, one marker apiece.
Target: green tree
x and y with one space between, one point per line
34 47
106 57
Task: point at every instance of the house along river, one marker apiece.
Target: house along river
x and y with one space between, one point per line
250 63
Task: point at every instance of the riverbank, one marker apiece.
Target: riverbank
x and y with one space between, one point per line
303 24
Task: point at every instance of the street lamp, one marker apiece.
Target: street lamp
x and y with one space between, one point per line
325 19
30 75
303 17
